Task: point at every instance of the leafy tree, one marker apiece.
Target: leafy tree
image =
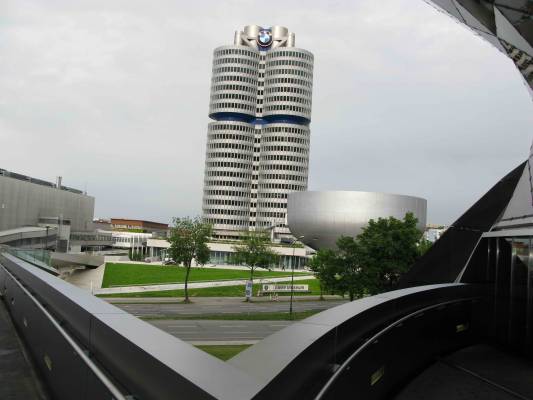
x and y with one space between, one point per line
135 255
255 252
386 249
324 264
374 261
351 276
423 246
188 241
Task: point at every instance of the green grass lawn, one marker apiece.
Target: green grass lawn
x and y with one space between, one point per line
224 352
117 274
223 291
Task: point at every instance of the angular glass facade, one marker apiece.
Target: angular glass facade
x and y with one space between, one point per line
507 24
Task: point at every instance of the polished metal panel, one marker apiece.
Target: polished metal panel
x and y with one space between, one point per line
296 362
507 24
320 218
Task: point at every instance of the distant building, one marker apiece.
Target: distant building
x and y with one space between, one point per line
434 232
320 218
35 213
131 234
28 201
139 226
221 253
258 142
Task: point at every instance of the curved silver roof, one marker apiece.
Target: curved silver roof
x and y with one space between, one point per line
318 219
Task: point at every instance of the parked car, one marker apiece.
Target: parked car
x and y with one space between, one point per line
168 261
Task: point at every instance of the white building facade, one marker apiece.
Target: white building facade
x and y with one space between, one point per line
258 144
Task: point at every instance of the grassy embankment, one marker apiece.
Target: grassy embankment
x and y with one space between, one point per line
224 352
117 274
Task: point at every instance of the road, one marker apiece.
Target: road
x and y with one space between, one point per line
221 305
219 332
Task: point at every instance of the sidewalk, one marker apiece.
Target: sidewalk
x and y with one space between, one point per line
214 300
193 285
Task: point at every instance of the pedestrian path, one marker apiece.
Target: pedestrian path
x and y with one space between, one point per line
193 285
89 279
18 379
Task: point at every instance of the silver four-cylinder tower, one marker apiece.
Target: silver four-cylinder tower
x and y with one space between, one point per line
258 142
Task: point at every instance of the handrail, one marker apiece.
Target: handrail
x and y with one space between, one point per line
132 355
79 351
321 343
23 254
377 336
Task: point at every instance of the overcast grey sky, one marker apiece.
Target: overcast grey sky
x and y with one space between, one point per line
113 96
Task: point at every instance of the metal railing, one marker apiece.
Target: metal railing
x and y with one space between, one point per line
368 348
87 348
112 390
39 257
330 391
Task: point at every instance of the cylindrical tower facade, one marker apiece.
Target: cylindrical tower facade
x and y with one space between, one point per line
288 85
283 168
234 83
258 148
228 174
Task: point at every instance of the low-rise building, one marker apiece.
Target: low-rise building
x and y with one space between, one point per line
139 226
434 232
35 213
221 253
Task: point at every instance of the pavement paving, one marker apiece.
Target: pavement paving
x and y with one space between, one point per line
476 372
200 332
18 380
221 305
193 285
210 332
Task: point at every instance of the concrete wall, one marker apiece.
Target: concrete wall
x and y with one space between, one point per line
23 203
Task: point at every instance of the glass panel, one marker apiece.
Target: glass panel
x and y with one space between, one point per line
502 289
529 305
518 293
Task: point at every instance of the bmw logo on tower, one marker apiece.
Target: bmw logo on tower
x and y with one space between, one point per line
264 39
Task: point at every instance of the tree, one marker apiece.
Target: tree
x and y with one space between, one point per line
387 248
374 261
135 255
324 265
255 252
188 241
423 246
351 275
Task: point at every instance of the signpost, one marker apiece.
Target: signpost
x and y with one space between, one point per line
248 291
271 288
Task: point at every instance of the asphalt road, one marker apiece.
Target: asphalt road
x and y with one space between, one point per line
211 331
212 306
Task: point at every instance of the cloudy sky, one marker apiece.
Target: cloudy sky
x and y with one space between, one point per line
113 96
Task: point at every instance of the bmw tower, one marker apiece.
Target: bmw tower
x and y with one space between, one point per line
258 142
